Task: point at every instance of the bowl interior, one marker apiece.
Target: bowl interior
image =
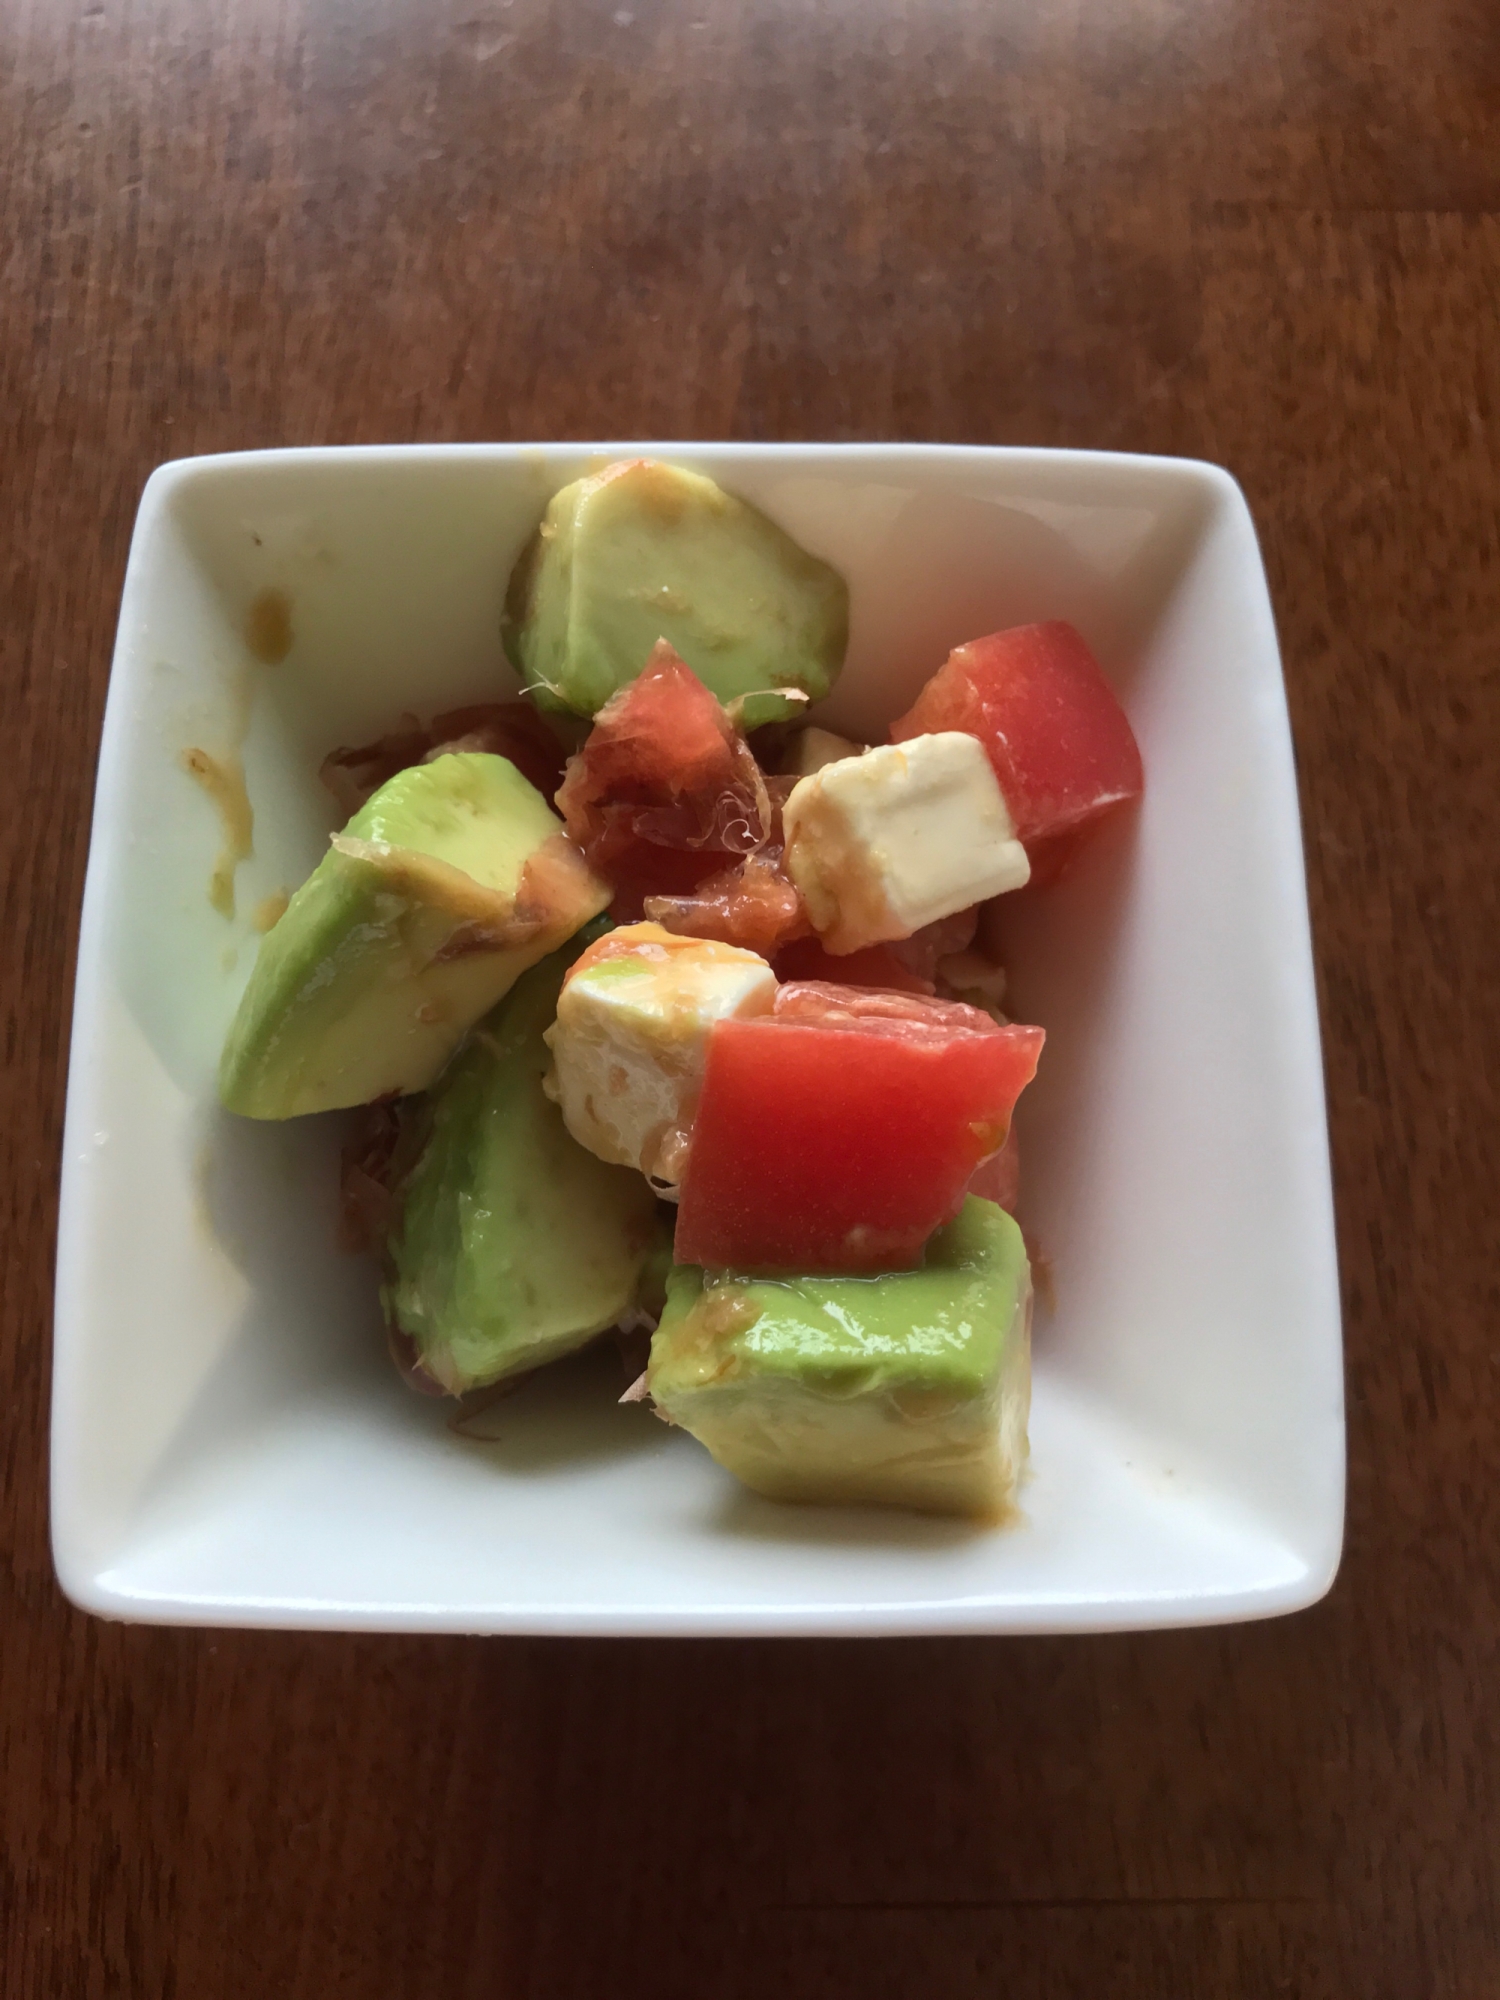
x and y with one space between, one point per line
230 1441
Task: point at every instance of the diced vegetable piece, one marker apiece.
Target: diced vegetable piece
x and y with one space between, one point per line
911 1390
838 1134
767 708
882 844
1051 725
437 895
513 1244
631 1032
664 793
643 551
752 905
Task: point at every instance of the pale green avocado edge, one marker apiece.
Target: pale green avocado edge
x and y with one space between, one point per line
941 1326
515 1244
648 551
343 971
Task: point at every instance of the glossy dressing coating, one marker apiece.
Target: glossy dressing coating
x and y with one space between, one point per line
515 1244
839 1134
909 1389
437 895
631 1032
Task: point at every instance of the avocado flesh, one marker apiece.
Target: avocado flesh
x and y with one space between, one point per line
644 551
906 1390
515 1245
452 880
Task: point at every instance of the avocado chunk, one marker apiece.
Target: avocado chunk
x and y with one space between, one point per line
452 880
514 1244
644 551
907 1390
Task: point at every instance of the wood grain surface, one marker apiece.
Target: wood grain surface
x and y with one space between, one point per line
1265 232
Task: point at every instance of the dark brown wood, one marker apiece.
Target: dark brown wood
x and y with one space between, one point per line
1265 233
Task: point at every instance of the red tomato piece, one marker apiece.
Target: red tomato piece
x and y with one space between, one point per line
664 792
839 1132
1055 733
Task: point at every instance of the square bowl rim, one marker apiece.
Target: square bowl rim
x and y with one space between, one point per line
83 1581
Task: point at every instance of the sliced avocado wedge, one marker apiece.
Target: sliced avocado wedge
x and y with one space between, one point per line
451 881
644 551
514 1244
907 1390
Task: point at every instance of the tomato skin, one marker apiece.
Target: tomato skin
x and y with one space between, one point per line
842 1144
914 1017
1055 734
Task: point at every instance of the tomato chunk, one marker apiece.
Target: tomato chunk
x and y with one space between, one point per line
664 793
1055 734
839 1132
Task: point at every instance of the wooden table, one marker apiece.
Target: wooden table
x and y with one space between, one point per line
1265 233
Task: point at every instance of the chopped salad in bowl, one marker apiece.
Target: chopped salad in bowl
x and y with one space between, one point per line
675 1011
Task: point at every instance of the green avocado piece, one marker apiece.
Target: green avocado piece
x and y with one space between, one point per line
906 1390
644 551
452 880
515 1244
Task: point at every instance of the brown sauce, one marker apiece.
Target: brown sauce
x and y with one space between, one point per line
223 778
268 627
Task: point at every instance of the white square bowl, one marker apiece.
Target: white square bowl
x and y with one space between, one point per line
230 1444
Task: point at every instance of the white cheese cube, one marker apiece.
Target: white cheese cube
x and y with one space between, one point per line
631 1035
881 844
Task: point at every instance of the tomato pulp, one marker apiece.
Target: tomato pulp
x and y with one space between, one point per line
664 792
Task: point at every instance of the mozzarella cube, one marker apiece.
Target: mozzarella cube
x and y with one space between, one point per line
631 1037
882 844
